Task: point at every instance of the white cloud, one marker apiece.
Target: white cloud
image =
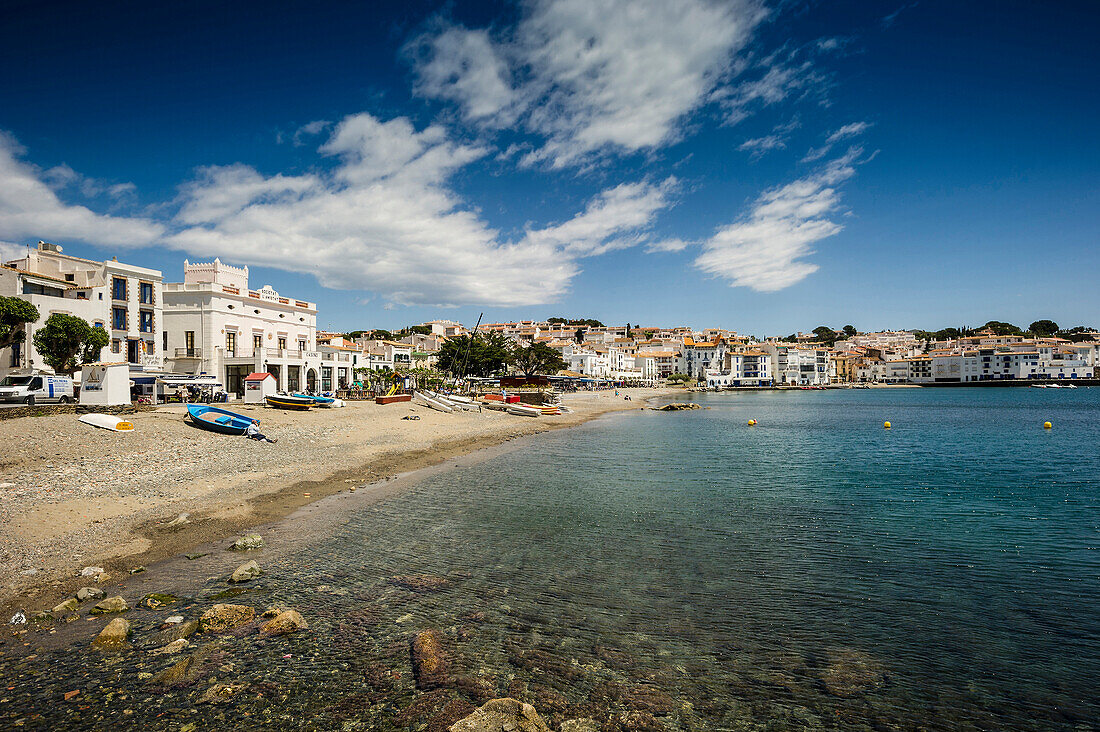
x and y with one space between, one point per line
10 250
758 146
780 79
849 130
31 209
465 66
765 249
384 219
592 75
310 129
616 219
667 245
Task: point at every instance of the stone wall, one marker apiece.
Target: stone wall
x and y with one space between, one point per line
45 410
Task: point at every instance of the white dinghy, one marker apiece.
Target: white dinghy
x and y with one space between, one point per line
107 422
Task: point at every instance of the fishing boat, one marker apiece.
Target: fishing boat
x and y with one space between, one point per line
217 420
283 401
321 401
433 402
524 410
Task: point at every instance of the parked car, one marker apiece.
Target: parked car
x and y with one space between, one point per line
37 388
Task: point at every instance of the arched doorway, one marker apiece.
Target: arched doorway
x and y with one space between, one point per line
311 380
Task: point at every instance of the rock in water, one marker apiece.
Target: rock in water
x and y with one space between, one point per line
110 605
226 617
174 647
220 693
157 601
420 582
245 572
182 630
69 606
285 622
88 593
428 659
502 715
585 724
247 542
113 637
852 673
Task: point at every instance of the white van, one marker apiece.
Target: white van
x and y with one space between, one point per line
36 388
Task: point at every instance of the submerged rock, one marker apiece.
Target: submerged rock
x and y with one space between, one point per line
220 693
677 407
113 636
184 629
247 571
157 600
852 673
585 724
226 617
428 659
247 543
288 621
420 582
110 605
66 607
186 670
88 593
175 646
502 715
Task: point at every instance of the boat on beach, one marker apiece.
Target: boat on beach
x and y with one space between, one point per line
320 401
283 401
218 420
433 402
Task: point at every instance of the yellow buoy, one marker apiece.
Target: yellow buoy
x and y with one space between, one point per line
1047 425
887 425
752 423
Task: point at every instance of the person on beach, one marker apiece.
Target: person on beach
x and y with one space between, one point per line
252 432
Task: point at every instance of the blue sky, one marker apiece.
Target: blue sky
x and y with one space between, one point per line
764 167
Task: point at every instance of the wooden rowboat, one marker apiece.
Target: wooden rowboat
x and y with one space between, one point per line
280 401
218 420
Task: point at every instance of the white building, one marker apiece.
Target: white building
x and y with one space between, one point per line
124 299
799 365
215 324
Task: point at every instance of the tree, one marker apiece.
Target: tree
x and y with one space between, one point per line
579 335
648 334
67 341
538 358
849 330
14 316
1043 327
480 354
825 334
381 335
424 330
1002 328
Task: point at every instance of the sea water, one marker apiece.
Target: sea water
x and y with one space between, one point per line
675 570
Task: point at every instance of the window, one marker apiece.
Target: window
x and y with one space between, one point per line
101 296
116 346
16 355
231 343
257 341
146 324
118 288
98 324
145 293
165 339
189 342
70 278
301 345
118 318
282 343
150 347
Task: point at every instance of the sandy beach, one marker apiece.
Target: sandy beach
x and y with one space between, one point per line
76 496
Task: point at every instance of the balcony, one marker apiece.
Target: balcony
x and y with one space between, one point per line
188 353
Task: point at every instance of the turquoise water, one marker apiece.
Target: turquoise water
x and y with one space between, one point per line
682 571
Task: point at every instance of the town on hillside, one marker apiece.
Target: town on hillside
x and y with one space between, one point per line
60 311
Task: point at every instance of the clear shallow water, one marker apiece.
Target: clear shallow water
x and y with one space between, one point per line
683 571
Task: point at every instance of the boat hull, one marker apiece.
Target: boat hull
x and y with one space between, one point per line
217 420
289 402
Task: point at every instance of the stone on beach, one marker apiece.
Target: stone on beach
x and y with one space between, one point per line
247 543
287 621
179 520
226 617
429 660
111 605
247 571
91 571
68 606
502 715
113 636
88 593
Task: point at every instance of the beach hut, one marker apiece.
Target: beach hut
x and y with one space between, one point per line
258 386
105 384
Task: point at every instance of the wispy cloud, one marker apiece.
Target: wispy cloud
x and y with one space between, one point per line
889 20
590 76
765 250
849 130
31 208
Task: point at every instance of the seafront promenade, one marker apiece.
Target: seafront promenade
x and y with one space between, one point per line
76 496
